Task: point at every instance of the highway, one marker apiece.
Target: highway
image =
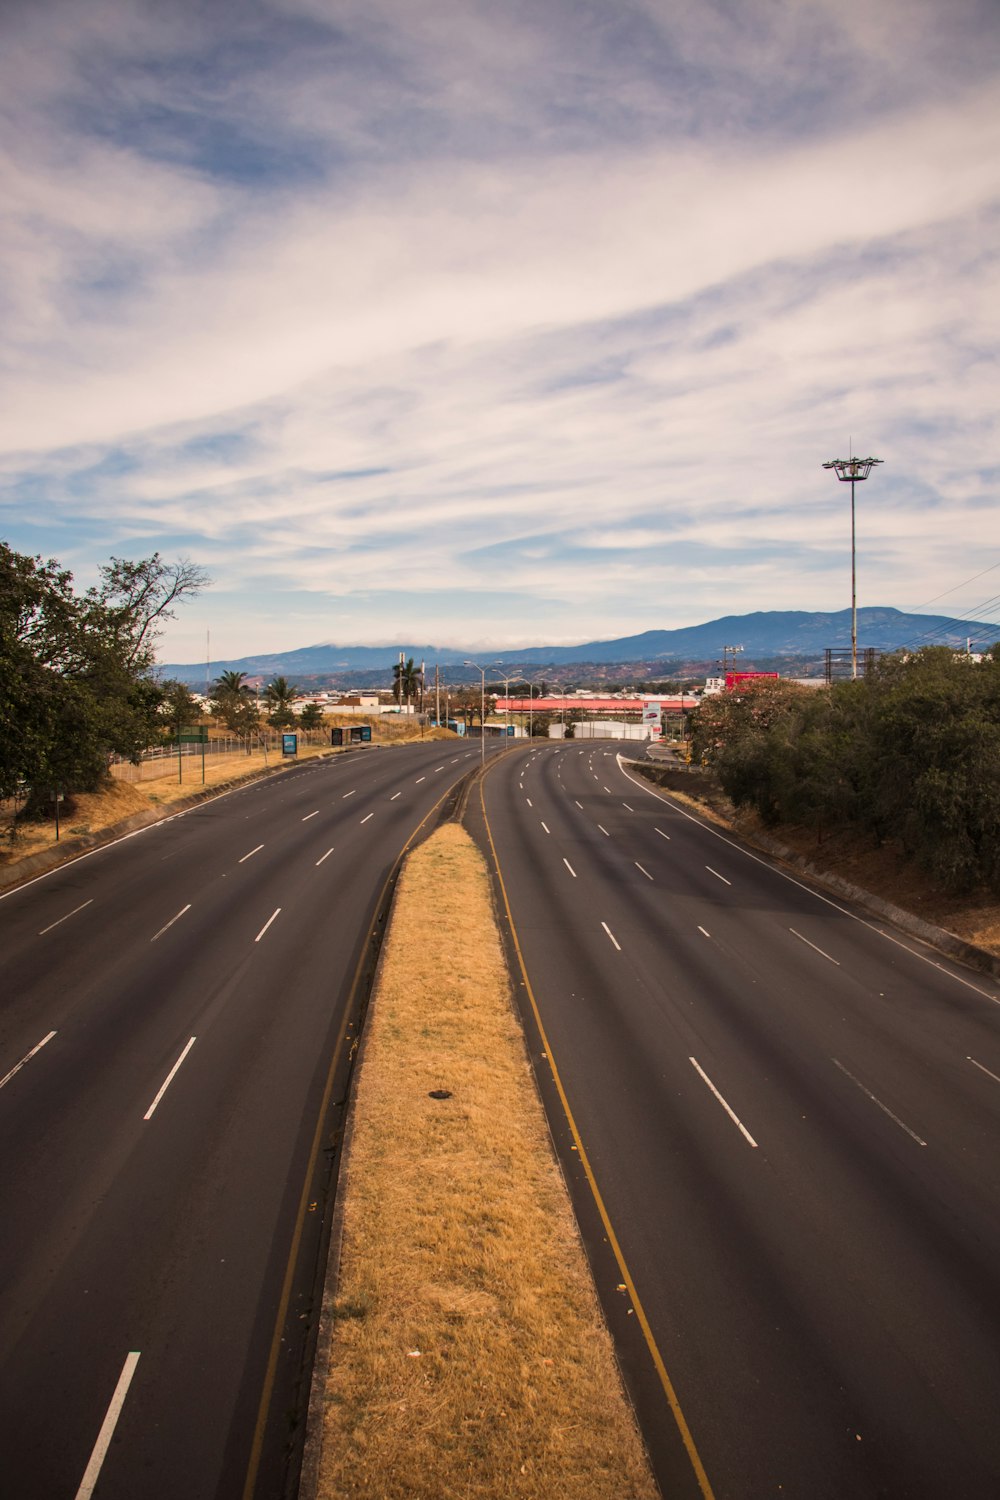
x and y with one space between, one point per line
176 1019
791 1116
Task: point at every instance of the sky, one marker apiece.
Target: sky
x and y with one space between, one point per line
502 322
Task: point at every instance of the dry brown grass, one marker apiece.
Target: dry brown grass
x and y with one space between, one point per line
468 1355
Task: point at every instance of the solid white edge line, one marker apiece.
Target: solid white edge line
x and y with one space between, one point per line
717 875
267 924
972 1060
66 917
813 946
611 935
250 855
826 900
875 1100
166 925
108 1426
734 1117
169 1079
37 1048
325 856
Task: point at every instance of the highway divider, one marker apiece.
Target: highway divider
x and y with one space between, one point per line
462 1349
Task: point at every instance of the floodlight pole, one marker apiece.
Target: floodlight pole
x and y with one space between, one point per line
855 470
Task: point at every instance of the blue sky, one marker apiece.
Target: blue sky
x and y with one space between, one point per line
501 323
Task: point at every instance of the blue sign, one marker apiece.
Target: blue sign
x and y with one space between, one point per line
289 744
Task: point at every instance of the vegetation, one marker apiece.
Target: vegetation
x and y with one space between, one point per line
75 669
236 706
408 682
280 695
311 716
909 752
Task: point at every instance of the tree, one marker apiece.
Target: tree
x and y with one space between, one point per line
236 706
178 704
311 716
280 696
407 681
75 669
133 599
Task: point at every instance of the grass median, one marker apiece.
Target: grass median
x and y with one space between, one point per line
467 1351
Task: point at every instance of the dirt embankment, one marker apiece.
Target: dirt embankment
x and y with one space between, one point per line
467 1354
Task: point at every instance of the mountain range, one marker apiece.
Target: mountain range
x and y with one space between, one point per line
764 635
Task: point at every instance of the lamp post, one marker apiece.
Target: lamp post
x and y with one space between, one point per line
482 710
505 678
855 470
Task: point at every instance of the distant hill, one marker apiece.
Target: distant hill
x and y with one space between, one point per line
763 634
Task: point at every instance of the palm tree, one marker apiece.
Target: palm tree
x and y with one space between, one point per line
229 683
280 695
409 680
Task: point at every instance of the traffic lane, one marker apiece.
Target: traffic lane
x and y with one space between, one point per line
183 1255
930 1022
177 967
610 1029
61 930
191 1068
904 1050
104 1231
660 1182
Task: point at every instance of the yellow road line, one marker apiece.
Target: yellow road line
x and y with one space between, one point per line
661 1369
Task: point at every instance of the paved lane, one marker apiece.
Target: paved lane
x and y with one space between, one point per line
166 1149
792 1117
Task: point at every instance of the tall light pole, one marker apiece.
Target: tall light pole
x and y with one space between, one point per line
505 678
482 710
855 470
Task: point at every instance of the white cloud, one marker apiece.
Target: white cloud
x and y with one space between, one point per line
615 346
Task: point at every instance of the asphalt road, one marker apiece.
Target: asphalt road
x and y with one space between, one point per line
175 1022
792 1117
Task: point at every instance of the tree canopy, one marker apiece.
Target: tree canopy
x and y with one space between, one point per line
910 752
75 669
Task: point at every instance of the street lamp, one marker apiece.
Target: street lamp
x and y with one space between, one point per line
506 678
482 710
855 470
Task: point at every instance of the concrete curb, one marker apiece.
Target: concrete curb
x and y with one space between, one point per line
936 937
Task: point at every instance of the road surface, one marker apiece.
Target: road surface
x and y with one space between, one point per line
791 1114
177 1012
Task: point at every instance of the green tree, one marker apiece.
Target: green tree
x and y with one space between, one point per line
407 685
178 705
280 696
75 684
236 706
311 716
